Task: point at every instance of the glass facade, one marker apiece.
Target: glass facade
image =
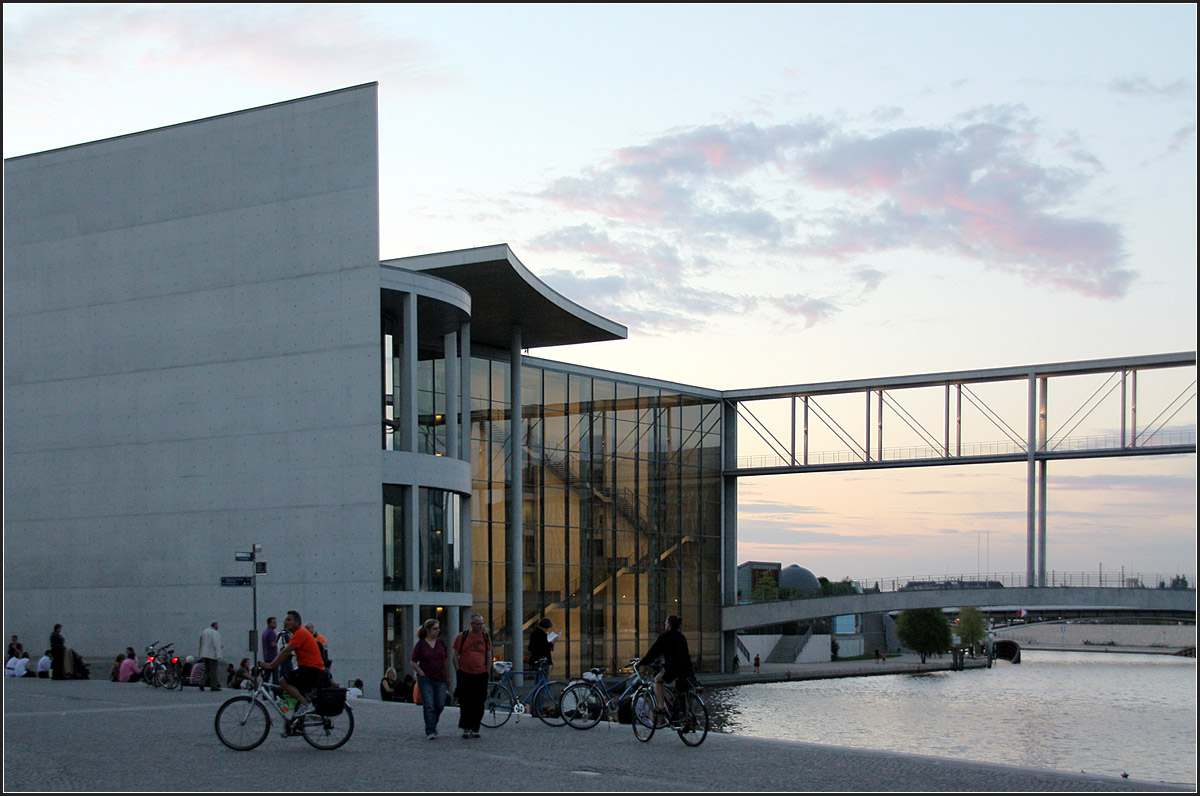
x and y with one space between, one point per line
622 513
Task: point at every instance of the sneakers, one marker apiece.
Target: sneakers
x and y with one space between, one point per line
466 733
474 734
431 736
303 710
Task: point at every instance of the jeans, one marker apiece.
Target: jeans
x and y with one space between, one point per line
433 699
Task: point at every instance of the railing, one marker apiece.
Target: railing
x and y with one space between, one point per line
968 450
1116 579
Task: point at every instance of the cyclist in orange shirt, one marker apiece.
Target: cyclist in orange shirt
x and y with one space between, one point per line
309 672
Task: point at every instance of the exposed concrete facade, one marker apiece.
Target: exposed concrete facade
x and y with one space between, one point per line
192 366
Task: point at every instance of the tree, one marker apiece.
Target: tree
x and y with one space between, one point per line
924 631
765 591
971 626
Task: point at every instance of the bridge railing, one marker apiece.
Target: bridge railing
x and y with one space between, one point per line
1163 438
1116 579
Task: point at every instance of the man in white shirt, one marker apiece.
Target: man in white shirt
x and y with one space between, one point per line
44 666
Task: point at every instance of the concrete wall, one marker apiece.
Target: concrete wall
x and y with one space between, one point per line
192 365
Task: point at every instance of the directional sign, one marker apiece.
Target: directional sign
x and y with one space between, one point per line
243 556
260 567
237 580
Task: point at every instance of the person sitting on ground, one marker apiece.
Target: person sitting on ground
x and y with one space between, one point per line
387 686
405 693
355 691
114 671
241 678
130 673
22 667
43 670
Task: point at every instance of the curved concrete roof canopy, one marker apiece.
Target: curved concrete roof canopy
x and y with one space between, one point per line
504 294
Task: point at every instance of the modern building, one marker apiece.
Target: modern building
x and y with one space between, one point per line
204 351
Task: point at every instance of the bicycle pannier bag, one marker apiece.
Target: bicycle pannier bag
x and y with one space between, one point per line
329 701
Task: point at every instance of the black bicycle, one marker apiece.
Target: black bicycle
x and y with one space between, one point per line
685 711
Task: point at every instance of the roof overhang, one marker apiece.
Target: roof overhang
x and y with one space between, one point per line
505 294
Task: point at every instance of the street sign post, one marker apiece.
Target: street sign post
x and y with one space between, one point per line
236 580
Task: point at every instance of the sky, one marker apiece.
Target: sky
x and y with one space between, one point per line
764 195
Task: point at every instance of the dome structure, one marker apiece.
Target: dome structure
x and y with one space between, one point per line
799 578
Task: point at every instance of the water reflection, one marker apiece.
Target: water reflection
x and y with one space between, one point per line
1099 713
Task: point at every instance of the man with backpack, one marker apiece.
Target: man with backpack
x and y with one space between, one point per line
472 657
322 644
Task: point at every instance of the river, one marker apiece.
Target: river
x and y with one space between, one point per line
1067 711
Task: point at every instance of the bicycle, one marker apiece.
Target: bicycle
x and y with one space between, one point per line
586 701
242 723
155 671
685 712
503 701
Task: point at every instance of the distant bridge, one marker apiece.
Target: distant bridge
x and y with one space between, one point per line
1165 601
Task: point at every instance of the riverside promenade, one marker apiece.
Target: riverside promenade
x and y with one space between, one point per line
95 735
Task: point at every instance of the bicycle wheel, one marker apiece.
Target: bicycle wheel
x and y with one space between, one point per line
643 719
170 679
242 723
148 676
327 732
692 719
582 705
545 701
498 705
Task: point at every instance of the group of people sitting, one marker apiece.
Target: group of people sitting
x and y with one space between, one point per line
18 663
392 690
125 668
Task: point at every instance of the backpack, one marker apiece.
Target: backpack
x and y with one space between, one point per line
324 655
462 640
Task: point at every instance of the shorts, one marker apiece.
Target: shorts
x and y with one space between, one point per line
306 678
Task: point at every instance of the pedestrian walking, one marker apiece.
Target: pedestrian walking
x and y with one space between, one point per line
429 662
472 657
756 662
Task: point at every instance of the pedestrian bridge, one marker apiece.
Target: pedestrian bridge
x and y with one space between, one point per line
1166 601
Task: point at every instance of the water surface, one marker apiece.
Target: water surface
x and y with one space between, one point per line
1068 711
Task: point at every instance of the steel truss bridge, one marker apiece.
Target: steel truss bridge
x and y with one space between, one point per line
1029 438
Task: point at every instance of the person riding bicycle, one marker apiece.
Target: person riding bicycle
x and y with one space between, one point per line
673 647
309 672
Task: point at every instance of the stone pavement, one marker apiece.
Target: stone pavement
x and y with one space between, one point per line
98 735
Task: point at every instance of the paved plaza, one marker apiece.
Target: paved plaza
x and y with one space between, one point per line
98 735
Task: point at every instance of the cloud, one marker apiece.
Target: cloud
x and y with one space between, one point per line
257 43
1141 86
987 187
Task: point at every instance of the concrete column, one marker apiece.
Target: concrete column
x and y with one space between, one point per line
453 397
1041 499
406 405
1031 482
467 452
464 381
412 531
516 505
729 494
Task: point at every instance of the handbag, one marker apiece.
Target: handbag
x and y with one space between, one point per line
416 694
